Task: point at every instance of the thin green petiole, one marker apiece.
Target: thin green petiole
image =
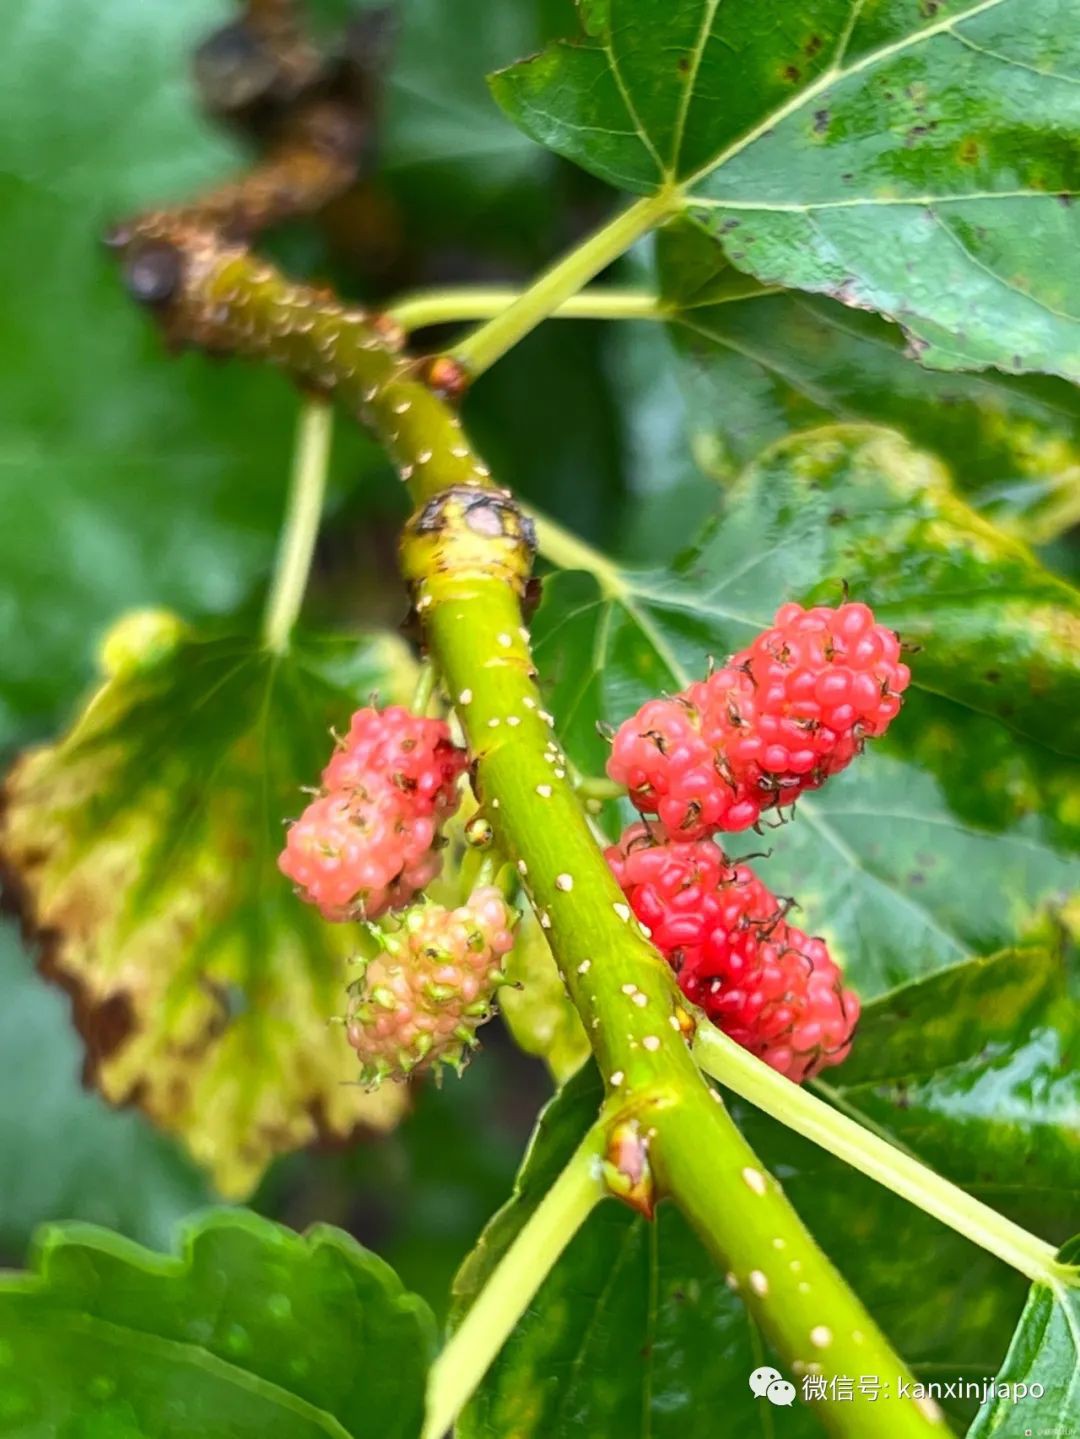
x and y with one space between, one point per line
597 787
307 489
426 681
507 1293
566 551
873 1156
480 350
455 306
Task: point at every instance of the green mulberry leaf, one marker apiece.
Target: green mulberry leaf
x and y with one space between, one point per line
913 157
251 1330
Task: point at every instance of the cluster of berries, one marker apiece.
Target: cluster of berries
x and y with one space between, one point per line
765 983
778 719
369 841
423 996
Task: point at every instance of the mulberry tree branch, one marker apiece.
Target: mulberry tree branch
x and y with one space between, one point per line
467 553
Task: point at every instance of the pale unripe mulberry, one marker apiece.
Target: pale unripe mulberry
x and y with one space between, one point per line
421 999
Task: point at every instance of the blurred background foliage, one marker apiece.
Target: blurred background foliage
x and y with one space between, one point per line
131 478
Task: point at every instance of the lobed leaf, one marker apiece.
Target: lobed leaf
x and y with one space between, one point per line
913 158
972 779
144 850
252 1330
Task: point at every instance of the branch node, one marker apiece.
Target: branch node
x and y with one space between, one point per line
469 533
445 376
626 1169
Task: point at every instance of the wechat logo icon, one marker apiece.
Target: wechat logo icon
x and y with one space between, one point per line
770 1384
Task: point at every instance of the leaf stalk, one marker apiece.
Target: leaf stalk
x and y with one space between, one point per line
801 1110
296 545
480 350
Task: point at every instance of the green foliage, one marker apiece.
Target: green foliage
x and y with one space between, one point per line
758 364
145 846
252 1330
970 1071
129 477
911 159
1046 1352
973 1069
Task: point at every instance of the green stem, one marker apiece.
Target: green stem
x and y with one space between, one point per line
479 351
507 1293
455 306
297 543
426 680
809 1116
566 551
597 787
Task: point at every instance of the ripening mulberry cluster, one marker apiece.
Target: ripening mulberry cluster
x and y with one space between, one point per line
778 719
422 998
772 988
793 708
369 841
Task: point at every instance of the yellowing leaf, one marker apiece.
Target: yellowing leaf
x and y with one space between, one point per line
142 849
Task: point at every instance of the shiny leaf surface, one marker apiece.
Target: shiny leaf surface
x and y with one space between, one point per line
1044 1352
252 1330
910 158
976 1070
145 844
758 365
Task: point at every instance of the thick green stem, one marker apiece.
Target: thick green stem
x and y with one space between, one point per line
800 1301
623 991
300 530
446 307
510 1289
809 1116
479 351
